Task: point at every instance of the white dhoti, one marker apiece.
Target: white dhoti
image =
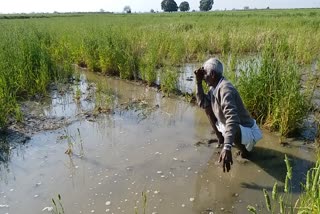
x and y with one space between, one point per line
249 136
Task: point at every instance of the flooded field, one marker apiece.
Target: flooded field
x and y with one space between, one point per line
146 144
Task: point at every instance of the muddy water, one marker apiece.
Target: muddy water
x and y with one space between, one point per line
149 147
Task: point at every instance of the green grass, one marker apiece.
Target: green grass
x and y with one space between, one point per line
281 202
37 51
271 87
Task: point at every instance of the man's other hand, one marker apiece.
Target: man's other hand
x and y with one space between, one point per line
226 159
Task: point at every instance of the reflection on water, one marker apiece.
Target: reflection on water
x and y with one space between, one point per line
147 146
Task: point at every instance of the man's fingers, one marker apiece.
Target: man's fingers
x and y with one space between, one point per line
228 166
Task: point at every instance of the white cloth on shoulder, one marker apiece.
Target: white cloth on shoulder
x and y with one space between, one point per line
249 136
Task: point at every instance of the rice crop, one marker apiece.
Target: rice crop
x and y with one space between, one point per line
38 50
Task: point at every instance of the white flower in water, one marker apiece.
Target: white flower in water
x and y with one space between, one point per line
159 172
107 210
175 159
183 205
92 211
191 199
36 196
189 168
49 209
156 192
108 203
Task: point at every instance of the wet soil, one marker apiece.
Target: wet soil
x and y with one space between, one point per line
139 142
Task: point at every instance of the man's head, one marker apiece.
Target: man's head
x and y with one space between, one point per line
213 71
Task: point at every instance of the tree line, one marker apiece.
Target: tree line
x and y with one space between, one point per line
171 5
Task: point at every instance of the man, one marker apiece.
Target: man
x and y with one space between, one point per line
232 121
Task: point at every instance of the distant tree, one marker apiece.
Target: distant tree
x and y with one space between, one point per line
127 9
101 10
268 8
246 7
184 6
169 6
152 11
206 5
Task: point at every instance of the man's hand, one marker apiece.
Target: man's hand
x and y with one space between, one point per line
199 74
226 159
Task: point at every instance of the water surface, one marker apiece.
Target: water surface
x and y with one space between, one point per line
147 146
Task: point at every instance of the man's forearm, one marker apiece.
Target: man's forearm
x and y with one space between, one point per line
202 98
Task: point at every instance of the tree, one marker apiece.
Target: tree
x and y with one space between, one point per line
127 9
184 6
169 5
152 11
206 5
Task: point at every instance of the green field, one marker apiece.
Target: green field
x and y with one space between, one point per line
283 45
41 49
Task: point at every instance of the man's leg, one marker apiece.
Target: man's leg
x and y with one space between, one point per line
237 141
213 120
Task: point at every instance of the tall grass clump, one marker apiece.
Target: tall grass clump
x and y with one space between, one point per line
8 104
27 66
169 80
110 53
151 59
309 201
271 87
282 202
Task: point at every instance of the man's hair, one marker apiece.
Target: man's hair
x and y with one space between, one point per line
213 66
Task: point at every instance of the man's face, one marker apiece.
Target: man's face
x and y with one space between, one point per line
208 78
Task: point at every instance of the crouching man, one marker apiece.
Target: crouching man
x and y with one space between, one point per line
233 122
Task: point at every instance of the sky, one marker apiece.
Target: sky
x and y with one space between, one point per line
28 6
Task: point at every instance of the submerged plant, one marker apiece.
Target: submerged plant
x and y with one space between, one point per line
104 97
57 206
144 205
72 142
